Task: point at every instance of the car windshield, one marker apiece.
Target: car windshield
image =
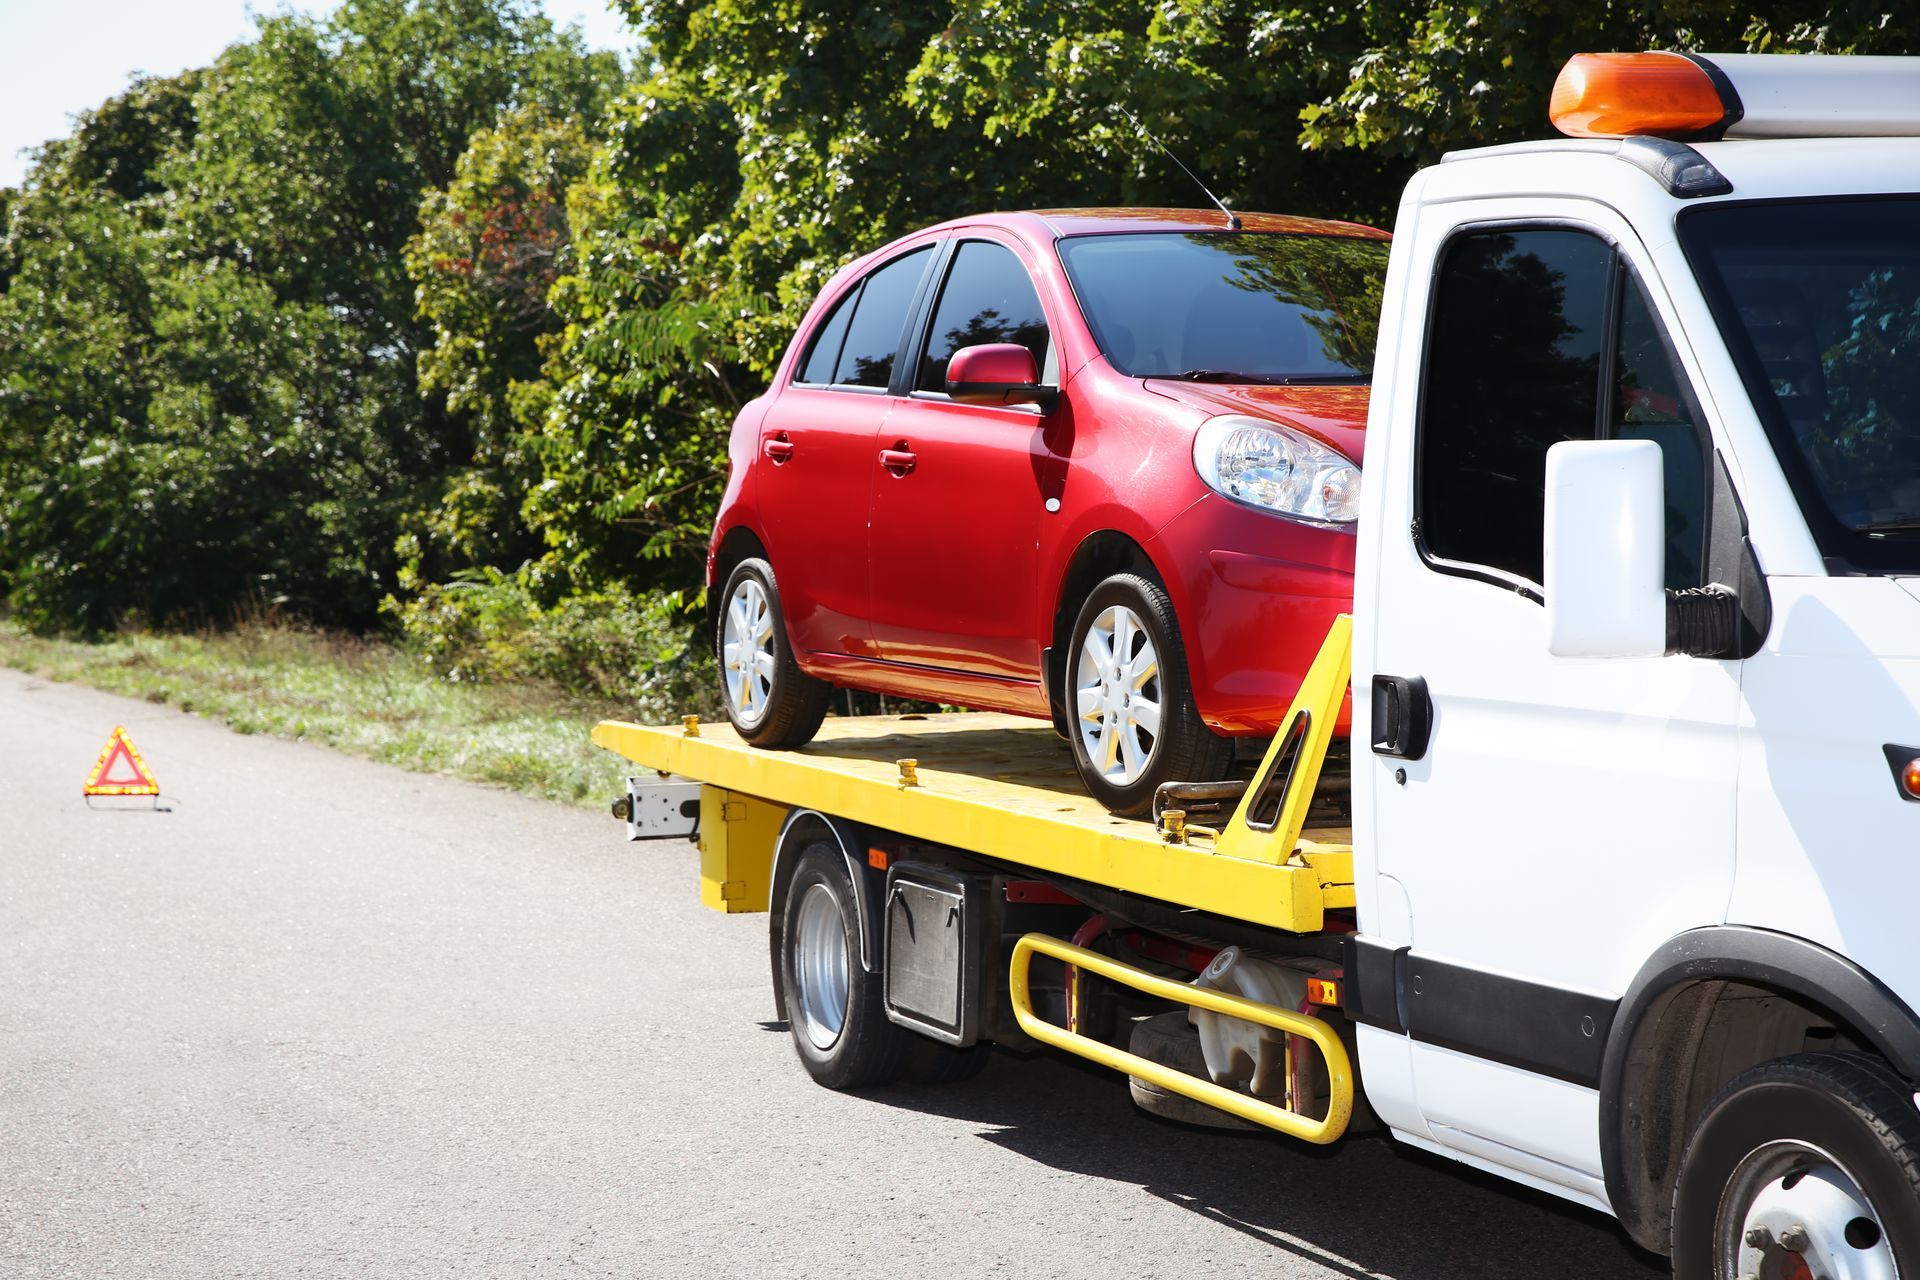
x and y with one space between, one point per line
1820 304
1231 306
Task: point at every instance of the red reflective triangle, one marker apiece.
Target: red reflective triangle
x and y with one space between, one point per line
120 771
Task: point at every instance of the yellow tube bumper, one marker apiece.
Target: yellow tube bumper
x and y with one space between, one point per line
1247 1107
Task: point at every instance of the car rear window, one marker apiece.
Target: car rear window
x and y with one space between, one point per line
1231 306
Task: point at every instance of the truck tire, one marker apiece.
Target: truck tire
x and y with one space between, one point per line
769 699
1126 660
834 1008
1816 1155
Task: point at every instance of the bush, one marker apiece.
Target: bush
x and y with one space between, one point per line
640 653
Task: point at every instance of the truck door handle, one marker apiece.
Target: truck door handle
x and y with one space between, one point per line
779 448
898 459
1402 717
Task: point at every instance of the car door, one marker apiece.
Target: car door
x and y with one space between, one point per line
957 498
1567 815
818 445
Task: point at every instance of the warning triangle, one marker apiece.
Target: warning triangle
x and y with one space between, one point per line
120 771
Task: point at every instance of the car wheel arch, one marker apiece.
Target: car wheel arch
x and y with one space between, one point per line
1097 557
738 543
1709 1004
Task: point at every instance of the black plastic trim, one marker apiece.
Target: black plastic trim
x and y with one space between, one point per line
1544 1029
1763 958
1898 758
1681 171
1371 990
1402 717
1549 1030
1736 110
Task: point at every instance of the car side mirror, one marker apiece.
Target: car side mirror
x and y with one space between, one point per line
997 373
1605 548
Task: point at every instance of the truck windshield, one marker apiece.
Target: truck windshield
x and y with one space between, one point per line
1820 304
1231 306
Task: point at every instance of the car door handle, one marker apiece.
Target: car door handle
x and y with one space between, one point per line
779 448
898 461
1402 717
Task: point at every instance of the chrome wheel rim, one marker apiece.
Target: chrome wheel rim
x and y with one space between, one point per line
746 651
820 967
1790 1212
1117 691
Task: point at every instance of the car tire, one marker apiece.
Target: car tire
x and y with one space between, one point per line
835 1009
1816 1155
769 699
1124 754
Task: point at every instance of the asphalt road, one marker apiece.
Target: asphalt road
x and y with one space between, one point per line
328 1018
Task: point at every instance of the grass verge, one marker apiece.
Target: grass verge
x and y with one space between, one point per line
363 697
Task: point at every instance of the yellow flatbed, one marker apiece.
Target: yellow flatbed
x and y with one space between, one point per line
1005 787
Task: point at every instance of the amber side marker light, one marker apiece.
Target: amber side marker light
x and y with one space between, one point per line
1621 95
1905 763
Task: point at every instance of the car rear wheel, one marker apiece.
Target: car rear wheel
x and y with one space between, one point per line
1135 725
769 699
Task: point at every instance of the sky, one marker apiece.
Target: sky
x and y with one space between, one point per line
58 57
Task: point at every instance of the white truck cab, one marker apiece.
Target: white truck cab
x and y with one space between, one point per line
1637 636
1612 890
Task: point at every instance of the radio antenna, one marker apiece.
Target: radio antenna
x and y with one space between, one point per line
1233 219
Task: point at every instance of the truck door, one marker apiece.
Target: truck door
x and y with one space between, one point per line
1566 815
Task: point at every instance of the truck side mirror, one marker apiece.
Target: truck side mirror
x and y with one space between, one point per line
1606 550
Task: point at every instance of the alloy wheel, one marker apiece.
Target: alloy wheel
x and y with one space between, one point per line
747 651
1117 695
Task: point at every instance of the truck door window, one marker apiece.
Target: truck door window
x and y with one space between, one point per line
1541 335
1651 402
988 297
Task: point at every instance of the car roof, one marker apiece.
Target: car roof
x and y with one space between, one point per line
1059 223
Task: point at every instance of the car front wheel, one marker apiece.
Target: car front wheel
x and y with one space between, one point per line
1129 700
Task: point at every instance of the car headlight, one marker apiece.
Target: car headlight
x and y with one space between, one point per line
1275 468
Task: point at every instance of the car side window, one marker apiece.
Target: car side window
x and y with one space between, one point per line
879 321
827 340
1541 335
987 297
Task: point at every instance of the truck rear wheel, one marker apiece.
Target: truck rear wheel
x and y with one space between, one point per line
835 1009
1804 1167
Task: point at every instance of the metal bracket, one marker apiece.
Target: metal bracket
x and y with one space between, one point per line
660 810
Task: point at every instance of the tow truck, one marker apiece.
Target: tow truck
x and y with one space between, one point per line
1611 889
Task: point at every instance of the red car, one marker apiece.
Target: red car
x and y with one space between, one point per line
1097 465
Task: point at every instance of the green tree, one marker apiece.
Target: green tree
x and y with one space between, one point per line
210 391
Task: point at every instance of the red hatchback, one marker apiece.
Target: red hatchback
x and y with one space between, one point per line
1098 465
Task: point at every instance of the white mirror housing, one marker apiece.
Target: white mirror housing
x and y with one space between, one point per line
1606 550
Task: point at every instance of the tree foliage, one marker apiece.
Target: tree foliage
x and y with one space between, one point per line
208 337
426 293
